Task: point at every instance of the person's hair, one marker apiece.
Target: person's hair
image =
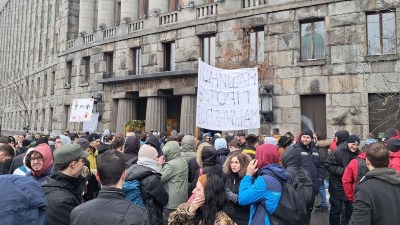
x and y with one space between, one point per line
117 143
241 134
143 136
370 136
73 136
4 140
12 139
110 167
109 138
378 155
244 161
63 166
233 143
7 149
275 131
251 140
290 134
215 200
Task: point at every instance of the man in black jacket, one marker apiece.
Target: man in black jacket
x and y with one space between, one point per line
110 206
336 163
64 187
378 193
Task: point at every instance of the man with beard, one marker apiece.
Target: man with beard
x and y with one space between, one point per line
336 164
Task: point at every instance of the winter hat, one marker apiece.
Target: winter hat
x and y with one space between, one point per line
65 140
83 142
270 140
284 141
26 143
391 132
148 151
69 152
102 148
203 180
353 139
393 144
220 143
93 137
267 154
307 131
42 140
106 132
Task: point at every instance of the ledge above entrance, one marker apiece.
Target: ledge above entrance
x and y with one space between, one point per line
149 76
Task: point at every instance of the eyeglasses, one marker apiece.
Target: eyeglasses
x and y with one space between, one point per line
58 142
39 159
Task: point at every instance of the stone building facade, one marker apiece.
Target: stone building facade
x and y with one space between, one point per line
326 64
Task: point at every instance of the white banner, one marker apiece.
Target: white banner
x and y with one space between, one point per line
81 110
91 126
227 99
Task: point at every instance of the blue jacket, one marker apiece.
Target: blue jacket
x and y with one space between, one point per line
264 188
22 201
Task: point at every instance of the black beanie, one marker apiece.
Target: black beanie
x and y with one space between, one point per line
353 139
393 144
308 132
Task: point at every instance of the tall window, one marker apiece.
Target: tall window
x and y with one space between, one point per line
118 13
52 82
68 78
172 5
381 28
169 56
109 58
45 85
312 41
208 50
86 63
136 61
256 53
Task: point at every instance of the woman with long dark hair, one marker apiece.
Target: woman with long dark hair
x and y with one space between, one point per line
209 207
234 170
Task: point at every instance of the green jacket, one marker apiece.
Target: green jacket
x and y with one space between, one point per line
174 175
188 147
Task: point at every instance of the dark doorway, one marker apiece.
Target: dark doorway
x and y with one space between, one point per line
173 113
384 112
141 106
313 113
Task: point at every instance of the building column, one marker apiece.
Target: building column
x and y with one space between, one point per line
129 9
156 114
106 13
188 114
126 112
160 6
86 16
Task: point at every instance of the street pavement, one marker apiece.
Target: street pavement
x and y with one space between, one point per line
319 218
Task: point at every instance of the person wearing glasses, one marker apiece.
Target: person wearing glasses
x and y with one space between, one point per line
40 162
64 187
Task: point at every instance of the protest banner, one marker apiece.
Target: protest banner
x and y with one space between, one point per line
81 110
227 99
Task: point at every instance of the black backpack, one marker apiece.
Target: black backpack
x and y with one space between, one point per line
297 200
362 169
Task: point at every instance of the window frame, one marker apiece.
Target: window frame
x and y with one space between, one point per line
381 38
169 56
313 55
109 60
136 60
210 59
256 48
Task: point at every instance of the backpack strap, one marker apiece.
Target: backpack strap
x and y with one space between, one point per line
362 169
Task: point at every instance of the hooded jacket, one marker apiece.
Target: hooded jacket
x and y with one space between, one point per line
174 175
153 140
336 163
131 149
45 151
349 178
154 195
188 145
22 201
251 193
395 161
323 151
377 198
63 194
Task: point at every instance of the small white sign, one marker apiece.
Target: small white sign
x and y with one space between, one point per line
81 110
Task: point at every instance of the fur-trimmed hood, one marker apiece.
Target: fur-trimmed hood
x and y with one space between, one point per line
243 167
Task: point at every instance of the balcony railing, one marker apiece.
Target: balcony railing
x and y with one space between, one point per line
252 3
135 26
168 18
71 43
110 32
88 38
207 10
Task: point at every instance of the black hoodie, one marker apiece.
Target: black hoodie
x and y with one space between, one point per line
342 136
131 149
153 141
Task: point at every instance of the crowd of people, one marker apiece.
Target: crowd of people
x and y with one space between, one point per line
153 178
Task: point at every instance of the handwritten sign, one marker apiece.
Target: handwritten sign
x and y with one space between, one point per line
81 110
227 99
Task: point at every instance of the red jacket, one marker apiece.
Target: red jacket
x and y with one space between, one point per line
349 178
395 161
333 145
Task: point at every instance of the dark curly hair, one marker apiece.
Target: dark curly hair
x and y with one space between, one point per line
216 200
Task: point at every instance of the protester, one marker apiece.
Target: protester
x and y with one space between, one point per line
22 201
221 146
250 145
64 187
174 175
234 170
210 205
265 187
147 172
6 157
40 162
378 193
393 144
188 145
110 207
336 164
131 149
